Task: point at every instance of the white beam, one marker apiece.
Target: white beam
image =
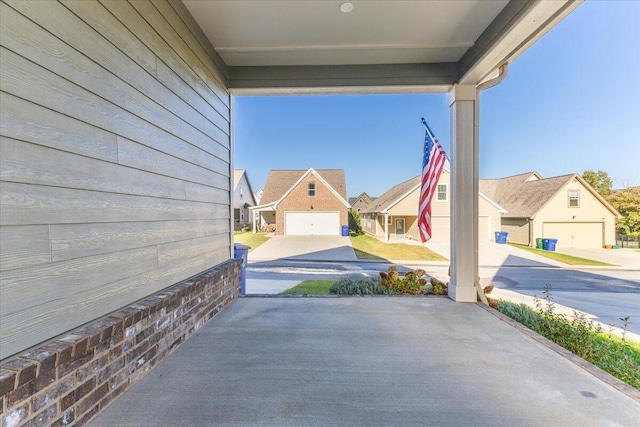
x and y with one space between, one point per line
464 193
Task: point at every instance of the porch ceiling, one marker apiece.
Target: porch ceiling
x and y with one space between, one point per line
311 46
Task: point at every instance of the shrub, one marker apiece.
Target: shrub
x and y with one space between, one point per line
354 221
412 282
581 336
359 287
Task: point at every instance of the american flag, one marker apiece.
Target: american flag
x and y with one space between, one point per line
432 164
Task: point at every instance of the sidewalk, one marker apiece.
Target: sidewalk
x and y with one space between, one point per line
368 362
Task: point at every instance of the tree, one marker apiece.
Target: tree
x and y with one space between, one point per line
627 202
600 181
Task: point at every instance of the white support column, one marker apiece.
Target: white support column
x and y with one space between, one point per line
464 193
386 228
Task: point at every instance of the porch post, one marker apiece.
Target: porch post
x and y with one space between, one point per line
464 193
386 227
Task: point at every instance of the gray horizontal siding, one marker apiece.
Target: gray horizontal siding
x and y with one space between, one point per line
114 160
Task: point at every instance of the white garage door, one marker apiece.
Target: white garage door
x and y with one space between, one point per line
574 234
312 223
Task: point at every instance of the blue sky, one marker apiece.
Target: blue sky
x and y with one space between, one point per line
570 103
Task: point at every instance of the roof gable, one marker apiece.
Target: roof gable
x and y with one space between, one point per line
237 176
240 175
281 182
393 196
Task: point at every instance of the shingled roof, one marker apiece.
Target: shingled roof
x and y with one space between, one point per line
390 197
523 195
281 181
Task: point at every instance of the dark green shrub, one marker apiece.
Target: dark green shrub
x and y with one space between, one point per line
581 336
519 312
354 221
359 287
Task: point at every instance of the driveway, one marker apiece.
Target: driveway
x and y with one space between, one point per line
495 255
307 248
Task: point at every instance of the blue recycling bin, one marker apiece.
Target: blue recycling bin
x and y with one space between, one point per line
501 237
242 251
551 244
545 244
345 231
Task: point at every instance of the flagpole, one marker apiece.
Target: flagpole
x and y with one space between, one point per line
426 126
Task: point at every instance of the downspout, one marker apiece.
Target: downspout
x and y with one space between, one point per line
503 70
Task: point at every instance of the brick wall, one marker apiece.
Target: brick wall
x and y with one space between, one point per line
68 381
299 201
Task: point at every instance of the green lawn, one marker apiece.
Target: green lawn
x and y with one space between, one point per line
567 259
366 247
249 238
311 287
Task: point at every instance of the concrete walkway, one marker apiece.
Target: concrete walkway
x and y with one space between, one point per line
399 361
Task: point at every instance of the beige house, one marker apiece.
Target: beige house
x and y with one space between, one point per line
360 202
394 215
299 202
565 207
243 199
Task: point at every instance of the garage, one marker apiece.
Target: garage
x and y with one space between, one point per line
312 223
574 234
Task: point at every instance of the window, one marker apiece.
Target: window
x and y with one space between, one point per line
574 198
311 189
442 192
236 215
241 192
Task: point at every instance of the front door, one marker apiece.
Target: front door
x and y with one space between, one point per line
400 228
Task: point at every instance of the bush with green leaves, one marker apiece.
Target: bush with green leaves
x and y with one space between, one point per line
581 336
359 287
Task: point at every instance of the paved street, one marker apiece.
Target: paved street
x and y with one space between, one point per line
607 294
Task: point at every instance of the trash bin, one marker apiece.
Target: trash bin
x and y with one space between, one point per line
545 244
551 246
539 243
501 237
345 231
242 251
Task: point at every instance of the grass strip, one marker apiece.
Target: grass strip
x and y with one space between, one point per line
310 287
250 239
366 247
567 259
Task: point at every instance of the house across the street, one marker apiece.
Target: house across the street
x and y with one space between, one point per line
360 202
564 207
394 215
526 206
299 202
243 199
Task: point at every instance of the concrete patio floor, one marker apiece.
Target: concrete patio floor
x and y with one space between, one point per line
388 361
